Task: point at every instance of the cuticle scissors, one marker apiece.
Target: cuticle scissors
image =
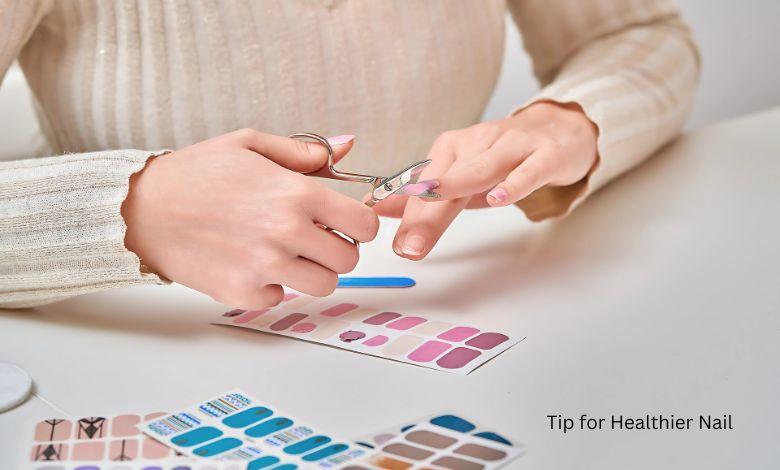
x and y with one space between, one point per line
383 186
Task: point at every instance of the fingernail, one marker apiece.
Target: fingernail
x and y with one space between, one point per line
340 139
429 184
498 194
413 245
415 189
397 250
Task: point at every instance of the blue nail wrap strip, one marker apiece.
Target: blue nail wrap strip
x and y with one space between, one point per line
197 436
217 447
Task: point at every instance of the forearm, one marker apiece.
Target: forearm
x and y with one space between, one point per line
637 86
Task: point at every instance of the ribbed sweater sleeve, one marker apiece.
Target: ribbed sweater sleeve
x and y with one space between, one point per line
631 65
61 228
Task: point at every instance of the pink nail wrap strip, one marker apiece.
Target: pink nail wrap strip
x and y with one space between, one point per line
458 333
339 309
405 323
249 316
429 351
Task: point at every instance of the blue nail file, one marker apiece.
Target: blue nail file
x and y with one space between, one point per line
376 282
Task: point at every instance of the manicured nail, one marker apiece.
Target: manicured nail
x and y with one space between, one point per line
498 194
420 187
413 245
341 139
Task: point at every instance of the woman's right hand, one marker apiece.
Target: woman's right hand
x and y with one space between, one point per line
235 218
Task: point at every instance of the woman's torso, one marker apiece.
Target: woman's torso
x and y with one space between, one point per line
154 75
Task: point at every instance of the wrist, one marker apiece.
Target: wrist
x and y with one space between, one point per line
568 116
565 123
133 212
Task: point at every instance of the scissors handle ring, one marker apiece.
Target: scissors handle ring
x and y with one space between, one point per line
346 237
336 175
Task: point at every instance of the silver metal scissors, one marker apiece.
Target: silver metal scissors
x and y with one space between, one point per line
402 183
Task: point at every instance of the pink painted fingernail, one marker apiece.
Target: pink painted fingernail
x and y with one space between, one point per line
415 189
498 194
341 139
413 245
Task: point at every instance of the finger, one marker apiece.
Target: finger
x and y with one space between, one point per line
350 217
442 156
340 151
294 154
329 250
478 201
254 299
469 176
393 206
536 171
309 277
341 145
422 226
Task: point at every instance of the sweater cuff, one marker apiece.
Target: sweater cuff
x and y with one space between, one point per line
61 228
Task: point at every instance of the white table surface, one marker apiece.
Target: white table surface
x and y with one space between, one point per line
661 294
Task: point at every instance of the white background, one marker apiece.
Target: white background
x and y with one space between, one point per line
738 41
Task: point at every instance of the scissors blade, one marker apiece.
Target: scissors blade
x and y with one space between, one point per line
404 183
418 190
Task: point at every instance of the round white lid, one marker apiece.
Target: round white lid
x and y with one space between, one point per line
15 386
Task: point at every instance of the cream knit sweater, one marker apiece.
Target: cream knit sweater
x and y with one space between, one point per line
115 75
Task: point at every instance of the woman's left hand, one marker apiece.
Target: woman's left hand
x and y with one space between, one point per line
494 164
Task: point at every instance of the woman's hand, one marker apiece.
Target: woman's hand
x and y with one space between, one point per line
494 164
234 218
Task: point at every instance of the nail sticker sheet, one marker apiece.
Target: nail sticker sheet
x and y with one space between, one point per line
98 442
237 427
441 441
410 338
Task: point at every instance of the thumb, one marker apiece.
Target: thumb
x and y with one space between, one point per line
341 145
295 154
